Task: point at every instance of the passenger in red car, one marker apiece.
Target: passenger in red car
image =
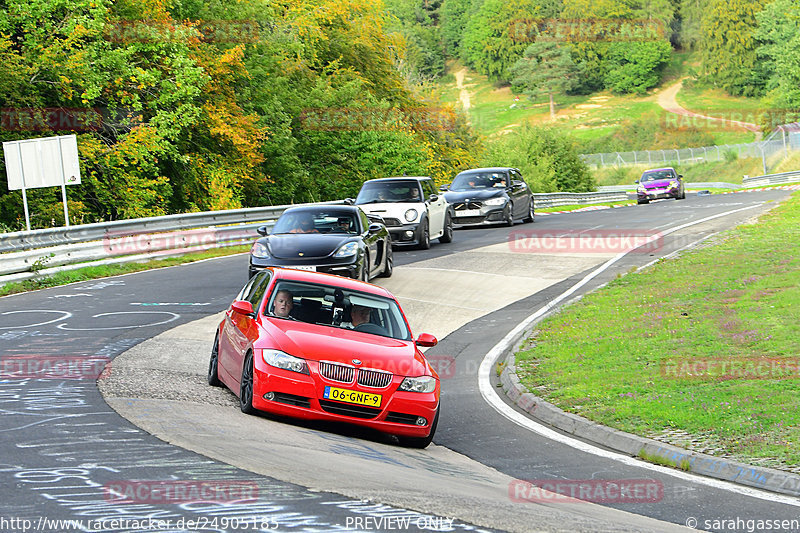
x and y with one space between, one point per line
283 303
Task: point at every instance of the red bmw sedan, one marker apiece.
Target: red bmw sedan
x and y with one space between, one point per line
317 346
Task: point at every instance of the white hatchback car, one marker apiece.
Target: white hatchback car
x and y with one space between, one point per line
412 209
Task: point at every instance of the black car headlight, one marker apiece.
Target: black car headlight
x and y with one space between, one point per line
260 250
347 250
495 201
283 360
420 384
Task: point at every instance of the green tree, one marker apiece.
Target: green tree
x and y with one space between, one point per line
691 17
778 35
728 45
635 66
545 68
491 44
547 158
453 22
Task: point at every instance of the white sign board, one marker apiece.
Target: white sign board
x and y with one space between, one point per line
34 163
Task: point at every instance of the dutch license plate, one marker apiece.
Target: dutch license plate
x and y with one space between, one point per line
352 396
469 213
311 268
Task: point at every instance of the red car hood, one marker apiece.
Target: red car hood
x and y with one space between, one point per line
325 343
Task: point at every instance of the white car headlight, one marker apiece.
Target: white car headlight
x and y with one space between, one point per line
411 215
259 250
351 248
420 384
495 201
673 184
283 360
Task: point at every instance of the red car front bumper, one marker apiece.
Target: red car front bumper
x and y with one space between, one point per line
288 393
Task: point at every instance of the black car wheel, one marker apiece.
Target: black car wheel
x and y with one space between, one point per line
640 202
425 236
213 375
364 274
421 442
389 266
530 216
447 233
246 386
508 216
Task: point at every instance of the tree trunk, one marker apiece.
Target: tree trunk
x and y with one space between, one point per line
552 108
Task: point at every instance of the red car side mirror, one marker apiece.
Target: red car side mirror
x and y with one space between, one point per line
244 307
427 340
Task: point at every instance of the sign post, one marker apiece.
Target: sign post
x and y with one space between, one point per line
44 162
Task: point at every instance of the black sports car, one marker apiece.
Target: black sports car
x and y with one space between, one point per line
489 196
337 239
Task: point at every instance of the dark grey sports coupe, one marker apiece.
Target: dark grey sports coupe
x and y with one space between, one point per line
337 239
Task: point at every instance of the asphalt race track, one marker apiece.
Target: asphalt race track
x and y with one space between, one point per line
64 445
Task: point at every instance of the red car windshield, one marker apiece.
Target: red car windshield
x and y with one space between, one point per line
328 305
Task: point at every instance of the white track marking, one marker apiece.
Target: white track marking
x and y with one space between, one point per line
490 395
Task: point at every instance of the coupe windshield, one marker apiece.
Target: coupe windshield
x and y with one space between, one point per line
479 180
389 192
329 221
337 307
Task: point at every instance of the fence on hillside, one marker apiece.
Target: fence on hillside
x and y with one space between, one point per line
784 139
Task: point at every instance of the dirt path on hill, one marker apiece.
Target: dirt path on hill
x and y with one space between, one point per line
666 99
464 94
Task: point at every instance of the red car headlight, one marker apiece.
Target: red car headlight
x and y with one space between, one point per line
283 360
420 384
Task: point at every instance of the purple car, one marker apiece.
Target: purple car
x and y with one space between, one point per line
659 183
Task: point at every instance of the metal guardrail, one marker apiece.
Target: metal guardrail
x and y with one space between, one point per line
690 185
557 199
29 252
24 240
772 179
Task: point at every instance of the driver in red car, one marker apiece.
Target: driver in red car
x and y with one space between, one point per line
358 315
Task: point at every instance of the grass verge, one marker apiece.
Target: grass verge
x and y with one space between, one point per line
700 351
104 271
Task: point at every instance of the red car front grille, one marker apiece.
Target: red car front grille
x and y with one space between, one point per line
376 379
334 372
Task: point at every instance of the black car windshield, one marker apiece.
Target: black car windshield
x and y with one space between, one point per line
658 175
323 221
399 191
479 180
328 305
